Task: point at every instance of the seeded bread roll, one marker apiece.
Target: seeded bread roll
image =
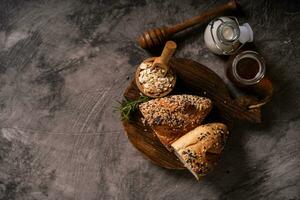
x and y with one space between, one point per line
173 116
199 150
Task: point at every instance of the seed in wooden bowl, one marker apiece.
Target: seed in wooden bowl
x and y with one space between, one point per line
153 80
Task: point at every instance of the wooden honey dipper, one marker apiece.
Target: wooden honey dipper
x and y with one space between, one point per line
158 36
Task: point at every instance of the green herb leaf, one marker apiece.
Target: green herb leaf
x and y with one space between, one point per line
127 107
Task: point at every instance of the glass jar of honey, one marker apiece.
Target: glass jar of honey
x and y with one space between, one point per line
247 68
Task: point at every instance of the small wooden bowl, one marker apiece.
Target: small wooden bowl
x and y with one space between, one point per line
141 88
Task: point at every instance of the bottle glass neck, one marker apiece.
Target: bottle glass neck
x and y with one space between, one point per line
228 32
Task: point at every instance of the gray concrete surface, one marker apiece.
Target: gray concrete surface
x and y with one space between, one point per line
65 63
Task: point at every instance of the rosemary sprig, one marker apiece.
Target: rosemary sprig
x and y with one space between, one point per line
127 107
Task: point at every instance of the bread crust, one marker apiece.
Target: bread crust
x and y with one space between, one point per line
173 116
200 148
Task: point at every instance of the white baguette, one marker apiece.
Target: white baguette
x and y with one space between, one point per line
199 150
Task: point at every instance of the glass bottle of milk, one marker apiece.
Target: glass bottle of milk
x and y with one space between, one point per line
225 36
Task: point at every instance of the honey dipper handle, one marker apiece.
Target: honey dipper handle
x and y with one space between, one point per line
158 36
212 13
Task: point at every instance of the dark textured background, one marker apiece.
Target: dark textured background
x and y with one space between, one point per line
64 63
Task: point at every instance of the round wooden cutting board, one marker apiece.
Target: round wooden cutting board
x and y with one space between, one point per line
192 78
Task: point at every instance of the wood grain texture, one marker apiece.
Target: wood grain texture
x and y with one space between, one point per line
193 78
144 139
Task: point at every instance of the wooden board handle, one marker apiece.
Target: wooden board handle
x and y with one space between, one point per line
264 89
158 36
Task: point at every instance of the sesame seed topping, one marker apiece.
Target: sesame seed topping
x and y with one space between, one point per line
176 111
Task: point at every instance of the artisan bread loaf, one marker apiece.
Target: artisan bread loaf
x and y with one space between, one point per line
199 150
173 116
